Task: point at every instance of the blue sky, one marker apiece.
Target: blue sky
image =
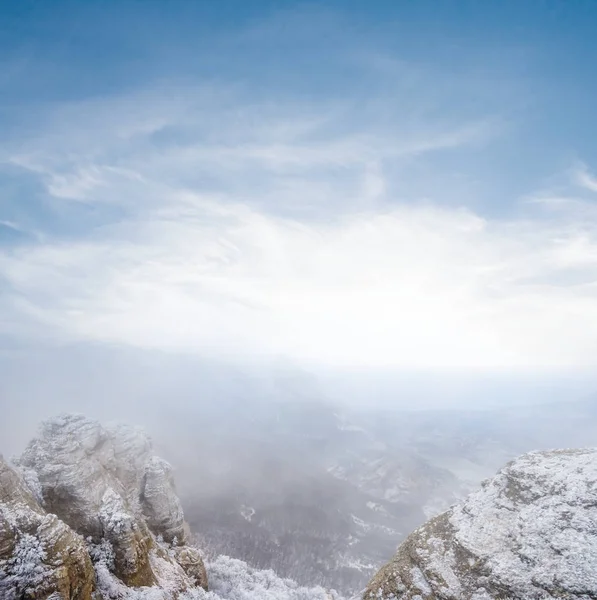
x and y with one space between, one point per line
387 184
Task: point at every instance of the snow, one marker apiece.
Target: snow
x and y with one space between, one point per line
247 512
32 482
230 579
161 505
442 563
113 484
113 516
419 580
25 571
103 552
376 507
530 533
535 523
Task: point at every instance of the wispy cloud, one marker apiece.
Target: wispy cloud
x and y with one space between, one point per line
585 178
319 228
410 287
215 256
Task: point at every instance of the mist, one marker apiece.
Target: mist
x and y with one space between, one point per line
141 386
316 473
285 467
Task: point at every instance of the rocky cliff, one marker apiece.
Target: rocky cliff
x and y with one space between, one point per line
89 512
39 554
530 533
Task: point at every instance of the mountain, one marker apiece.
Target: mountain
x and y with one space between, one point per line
322 493
530 533
40 556
90 512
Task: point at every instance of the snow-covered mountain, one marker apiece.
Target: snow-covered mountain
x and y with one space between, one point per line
88 512
528 534
323 494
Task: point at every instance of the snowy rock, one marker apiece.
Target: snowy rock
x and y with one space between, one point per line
192 564
77 461
130 539
530 533
161 505
104 484
40 556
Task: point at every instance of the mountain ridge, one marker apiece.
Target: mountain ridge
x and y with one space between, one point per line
529 533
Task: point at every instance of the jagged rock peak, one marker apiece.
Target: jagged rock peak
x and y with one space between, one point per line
78 461
530 533
104 490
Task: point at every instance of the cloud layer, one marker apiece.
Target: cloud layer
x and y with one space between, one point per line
203 224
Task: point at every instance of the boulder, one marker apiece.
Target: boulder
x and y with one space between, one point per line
192 564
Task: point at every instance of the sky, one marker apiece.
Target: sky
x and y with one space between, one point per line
339 185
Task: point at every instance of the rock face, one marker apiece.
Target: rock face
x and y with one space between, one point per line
39 554
530 533
103 495
192 564
160 503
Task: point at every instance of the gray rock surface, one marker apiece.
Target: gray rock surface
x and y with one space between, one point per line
40 556
530 533
100 492
160 503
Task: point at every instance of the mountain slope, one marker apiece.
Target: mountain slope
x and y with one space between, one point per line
530 533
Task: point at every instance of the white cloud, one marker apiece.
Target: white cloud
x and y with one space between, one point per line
586 179
215 256
411 287
10 225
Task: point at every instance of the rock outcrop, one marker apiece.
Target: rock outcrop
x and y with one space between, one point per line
160 503
40 556
530 533
106 507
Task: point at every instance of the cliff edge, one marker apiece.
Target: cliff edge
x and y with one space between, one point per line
530 533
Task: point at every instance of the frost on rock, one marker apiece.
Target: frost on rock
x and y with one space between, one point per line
25 571
105 485
77 461
129 538
230 579
161 505
191 563
530 533
33 484
40 556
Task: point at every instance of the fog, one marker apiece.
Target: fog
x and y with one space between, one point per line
315 473
119 383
